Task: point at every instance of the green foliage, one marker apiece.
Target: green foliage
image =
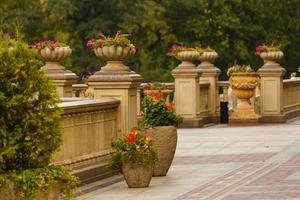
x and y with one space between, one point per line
134 147
120 39
158 113
239 68
30 131
29 119
29 182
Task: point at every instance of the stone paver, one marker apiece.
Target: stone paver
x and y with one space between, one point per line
224 163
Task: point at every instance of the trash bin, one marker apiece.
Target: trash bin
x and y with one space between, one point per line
224 112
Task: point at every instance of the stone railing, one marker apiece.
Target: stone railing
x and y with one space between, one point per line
204 87
88 129
78 90
291 98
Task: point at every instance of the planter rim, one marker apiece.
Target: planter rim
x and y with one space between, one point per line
113 46
272 52
244 74
57 47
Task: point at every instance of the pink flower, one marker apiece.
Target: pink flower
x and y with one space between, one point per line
101 34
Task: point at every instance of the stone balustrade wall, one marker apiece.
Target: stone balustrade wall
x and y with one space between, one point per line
291 98
89 127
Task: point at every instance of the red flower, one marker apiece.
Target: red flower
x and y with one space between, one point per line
170 106
158 95
130 139
119 130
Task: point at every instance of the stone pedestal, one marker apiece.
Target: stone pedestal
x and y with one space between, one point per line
210 74
121 85
271 80
63 79
186 97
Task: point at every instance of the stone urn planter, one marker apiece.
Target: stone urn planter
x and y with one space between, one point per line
271 59
187 58
137 176
165 138
207 58
114 57
8 192
53 57
243 85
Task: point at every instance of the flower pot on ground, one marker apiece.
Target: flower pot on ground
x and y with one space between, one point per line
113 50
135 156
161 120
136 175
243 81
29 126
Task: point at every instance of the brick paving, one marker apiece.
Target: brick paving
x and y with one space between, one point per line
223 163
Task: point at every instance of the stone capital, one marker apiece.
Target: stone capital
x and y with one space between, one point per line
188 73
271 71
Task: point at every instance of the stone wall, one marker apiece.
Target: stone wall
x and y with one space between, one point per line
89 127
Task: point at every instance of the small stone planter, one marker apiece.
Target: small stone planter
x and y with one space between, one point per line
114 57
8 192
165 138
54 57
271 59
187 58
207 58
137 176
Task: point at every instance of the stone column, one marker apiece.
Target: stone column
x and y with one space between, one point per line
63 79
210 73
187 91
271 86
121 85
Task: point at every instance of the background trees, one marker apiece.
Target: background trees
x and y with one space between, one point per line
233 28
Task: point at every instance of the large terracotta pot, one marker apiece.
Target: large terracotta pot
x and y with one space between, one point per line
9 193
137 176
243 85
187 58
165 142
114 56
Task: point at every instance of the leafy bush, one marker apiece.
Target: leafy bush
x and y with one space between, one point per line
29 119
29 122
134 147
29 181
157 112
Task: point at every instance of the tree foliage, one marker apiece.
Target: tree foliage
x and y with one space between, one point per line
232 27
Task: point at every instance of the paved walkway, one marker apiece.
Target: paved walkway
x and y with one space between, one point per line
228 163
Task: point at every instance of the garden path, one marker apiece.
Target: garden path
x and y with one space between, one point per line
221 163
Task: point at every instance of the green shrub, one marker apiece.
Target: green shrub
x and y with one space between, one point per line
29 118
30 131
157 112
